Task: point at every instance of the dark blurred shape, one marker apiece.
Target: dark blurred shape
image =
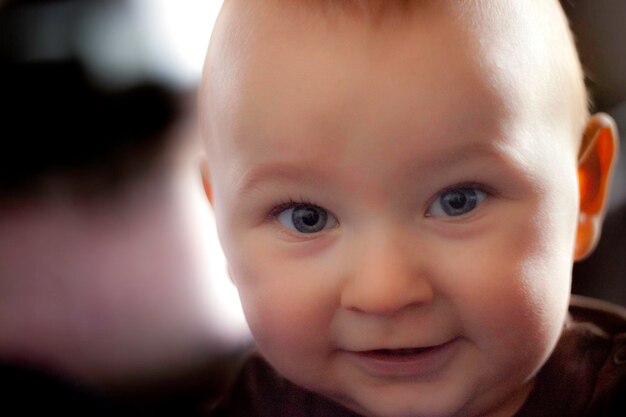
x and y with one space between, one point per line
29 391
600 30
34 391
61 128
59 125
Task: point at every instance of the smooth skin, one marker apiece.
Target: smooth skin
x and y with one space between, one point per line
425 182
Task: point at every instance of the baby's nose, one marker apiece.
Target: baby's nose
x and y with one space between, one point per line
385 277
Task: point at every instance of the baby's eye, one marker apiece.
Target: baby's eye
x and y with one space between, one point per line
306 218
456 202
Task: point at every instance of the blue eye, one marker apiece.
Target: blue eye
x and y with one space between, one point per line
306 218
456 202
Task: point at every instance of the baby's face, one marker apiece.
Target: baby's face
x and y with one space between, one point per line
398 208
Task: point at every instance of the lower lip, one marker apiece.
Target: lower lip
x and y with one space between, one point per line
421 363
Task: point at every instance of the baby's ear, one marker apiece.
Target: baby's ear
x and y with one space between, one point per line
596 159
206 180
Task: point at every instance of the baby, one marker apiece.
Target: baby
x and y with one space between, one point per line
400 189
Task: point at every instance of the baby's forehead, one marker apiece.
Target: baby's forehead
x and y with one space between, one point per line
263 55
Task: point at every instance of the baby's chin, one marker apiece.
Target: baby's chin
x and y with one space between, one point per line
398 404
451 400
372 408
453 403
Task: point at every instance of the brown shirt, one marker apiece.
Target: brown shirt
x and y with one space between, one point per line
584 377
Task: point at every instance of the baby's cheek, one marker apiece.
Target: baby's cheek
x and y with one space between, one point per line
292 340
519 321
285 319
278 319
504 297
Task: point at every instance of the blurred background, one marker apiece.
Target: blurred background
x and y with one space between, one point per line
600 31
110 270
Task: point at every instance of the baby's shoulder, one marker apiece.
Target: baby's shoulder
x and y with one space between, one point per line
609 317
603 328
586 374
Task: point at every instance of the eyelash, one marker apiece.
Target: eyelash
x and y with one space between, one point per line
279 207
489 192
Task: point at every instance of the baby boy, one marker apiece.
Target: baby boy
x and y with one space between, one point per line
400 189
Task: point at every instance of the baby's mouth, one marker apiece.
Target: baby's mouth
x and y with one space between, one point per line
406 362
398 354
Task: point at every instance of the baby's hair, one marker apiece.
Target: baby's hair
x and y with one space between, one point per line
374 9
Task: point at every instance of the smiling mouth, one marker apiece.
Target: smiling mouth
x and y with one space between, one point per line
399 354
406 362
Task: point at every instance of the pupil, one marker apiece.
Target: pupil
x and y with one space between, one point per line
310 217
456 200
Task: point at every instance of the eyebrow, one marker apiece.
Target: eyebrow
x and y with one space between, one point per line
280 171
310 172
467 151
